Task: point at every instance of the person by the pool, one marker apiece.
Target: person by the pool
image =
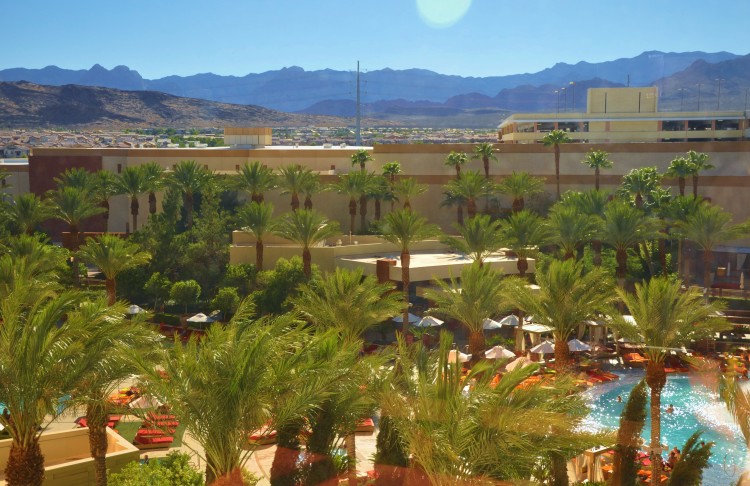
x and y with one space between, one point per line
670 409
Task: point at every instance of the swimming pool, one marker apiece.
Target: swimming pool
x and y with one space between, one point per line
695 407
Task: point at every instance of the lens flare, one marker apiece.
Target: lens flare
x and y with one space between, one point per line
442 13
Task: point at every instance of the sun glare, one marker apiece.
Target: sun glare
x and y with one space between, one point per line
442 13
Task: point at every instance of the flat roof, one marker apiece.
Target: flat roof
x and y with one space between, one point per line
426 259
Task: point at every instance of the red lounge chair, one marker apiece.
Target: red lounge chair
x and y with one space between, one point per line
150 433
152 442
262 436
365 425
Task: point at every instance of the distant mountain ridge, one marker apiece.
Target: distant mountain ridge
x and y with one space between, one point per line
294 89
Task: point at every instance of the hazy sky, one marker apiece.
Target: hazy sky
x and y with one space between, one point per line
466 37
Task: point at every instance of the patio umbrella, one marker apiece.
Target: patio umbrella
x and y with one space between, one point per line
520 361
498 352
455 356
412 318
511 320
145 402
545 347
201 318
576 346
429 321
134 309
490 324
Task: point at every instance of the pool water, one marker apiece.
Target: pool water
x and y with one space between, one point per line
696 407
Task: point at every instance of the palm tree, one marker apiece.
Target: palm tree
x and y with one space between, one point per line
380 190
104 186
680 168
72 206
468 188
480 237
132 182
471 300
65 337
524 232
520 185
707 227
361 157
255 179
571 229
632 420
154 177
592 204
675 214
485 151
666 318
310 185
351 185
456 160
404 228
307 228
190 179
407 189
390 171
597 160
112 255
451 199
554 139
641 184
624 227
566 298
292 180
27 212
257 218
699 161
77 177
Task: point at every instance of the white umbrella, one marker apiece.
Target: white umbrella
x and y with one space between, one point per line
490 324
520 361
498 352
429 321
200 317
457 356
412 318
134 309
575 346
544 347
511 320
145 402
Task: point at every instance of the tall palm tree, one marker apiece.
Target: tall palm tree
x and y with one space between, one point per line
380 191
571 229
666 318
351 185
485 151
307 228
112 255
361 157
457 160
524 232
132 182
469 187
675 214
65 337
554 139
154 175
407 189
478 238
257 218
292 181
680 167
592 204
451 199
73 206
567 297
624 227
597 160
404 228
641 183
255 179
390 171
699 160
311 185
77 177
189 179
27 212
519 186
707 227
471 300
104 186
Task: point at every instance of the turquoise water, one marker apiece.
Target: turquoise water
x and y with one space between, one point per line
696 407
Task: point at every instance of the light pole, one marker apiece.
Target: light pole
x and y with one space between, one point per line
746 90
682 98
573 96
699 95
718 93
565 99
557 92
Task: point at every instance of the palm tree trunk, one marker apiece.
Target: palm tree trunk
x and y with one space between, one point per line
363 213
189 210
695 186
307 262
259 255
656 379
476 345
97 422
256 197
559 469
295 201
308 202
351 452
562 353
596 178
486 162
105 204
557 169
471 208
391 459
522 264
517 205
621 255
681 184
134 207
352 213
25 465
111 285
210 474
284 470
708 260
152 203
663 256
405 261
596 245
377 209
460 215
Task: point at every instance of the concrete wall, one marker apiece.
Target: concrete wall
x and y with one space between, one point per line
67 458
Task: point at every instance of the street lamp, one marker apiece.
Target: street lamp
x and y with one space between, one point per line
682 98
565 99
573 96
557 92
718 93
699 95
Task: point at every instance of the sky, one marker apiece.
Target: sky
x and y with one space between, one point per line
158 38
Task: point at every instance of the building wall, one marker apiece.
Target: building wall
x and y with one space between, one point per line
622 100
